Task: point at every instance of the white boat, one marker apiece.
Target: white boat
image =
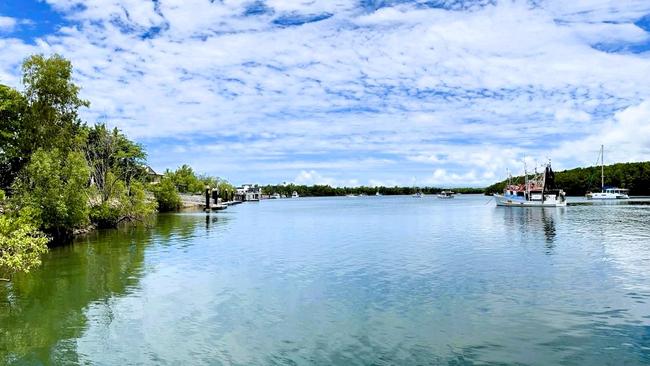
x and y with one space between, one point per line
537 191
607 193
418 195
446 194
610 194
378 194
350 195
275 196
294 194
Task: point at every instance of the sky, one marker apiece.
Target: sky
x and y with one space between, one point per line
440 93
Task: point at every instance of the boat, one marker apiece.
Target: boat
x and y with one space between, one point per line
378 194
350 195
294 194
607 193
275 196
539 190
446 194
610 193
362 195
418 194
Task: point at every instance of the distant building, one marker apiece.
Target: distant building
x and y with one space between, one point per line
248 192
152 176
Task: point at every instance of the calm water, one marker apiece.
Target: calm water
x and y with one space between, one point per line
344 281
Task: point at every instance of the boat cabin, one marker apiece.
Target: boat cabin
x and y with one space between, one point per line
617 190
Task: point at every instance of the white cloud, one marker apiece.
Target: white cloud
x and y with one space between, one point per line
379 96
7 23
626 138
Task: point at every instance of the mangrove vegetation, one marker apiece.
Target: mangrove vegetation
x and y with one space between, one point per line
60 176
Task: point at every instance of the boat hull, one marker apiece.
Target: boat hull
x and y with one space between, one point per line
607 196
510 202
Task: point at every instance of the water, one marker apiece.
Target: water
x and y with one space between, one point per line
344 281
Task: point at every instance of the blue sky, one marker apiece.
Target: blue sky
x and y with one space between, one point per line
350 92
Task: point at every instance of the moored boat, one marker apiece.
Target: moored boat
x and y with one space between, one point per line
539 190
446 194
607 193
294 194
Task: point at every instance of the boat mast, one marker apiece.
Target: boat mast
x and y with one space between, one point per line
526 180
602 168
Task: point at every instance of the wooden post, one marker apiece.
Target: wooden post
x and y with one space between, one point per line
207 198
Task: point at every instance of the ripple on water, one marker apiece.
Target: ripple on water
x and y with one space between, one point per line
374 280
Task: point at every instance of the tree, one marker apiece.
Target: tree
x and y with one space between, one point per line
185 180
112 158
52 119
13 107
21 245
166 195
54 186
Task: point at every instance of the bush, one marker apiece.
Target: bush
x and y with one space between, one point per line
21 244
54 187
167 195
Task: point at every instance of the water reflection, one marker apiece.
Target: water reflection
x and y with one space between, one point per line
346 282
45 308
43 312
530 223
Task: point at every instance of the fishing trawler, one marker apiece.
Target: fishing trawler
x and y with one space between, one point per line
538 190
607 193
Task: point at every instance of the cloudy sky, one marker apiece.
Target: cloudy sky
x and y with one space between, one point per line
349 92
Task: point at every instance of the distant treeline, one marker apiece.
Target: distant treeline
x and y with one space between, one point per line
579 181
326 190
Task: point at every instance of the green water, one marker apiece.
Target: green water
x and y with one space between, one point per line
344 281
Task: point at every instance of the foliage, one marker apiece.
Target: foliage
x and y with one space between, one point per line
13 107
166 195
61 175
54 186
577 182
326 190
125 205
52 119
112 158
117 166
21 244
186 180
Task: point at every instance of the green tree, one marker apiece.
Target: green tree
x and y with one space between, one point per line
21 245
13 107
166 195
112 158
54 186
186 180
52 120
